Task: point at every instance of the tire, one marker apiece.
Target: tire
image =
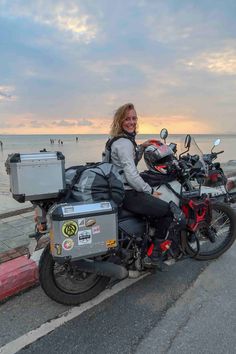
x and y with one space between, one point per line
223 221
68 287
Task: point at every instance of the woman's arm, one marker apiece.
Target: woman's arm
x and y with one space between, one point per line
123 155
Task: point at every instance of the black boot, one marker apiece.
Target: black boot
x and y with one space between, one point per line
156 258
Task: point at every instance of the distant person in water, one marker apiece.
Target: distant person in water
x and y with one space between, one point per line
77 139
1 144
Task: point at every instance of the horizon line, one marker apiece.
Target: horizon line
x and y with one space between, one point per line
13 134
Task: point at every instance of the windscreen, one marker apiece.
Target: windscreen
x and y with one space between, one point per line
194 150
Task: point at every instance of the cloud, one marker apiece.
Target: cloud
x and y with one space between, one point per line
177 124
168 30
66 17
6 93
37 124
21 125
70 123
5 125
84 122
63 123
219 62
166 25
168 58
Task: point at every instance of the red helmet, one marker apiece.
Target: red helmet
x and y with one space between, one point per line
157 156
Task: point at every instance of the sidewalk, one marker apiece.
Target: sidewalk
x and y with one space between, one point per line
14 231
9 205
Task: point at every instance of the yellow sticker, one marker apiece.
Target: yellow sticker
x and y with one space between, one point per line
111 243
69 228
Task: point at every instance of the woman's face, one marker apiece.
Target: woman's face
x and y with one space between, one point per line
130 122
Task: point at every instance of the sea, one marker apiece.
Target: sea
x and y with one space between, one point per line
79 149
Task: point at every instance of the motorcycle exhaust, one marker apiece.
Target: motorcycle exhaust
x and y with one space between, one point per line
103 268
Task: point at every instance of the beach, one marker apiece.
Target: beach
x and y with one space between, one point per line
88 148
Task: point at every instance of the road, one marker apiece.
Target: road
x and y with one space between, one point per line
116 325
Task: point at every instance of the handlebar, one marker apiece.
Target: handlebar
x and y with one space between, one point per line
208 158
186 170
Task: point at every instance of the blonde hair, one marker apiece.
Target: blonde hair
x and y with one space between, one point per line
118 119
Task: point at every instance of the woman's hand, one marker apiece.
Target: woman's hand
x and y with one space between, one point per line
156 194
149 142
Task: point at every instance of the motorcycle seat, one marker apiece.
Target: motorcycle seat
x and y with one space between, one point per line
125 214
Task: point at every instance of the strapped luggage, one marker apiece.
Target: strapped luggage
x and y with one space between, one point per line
95 182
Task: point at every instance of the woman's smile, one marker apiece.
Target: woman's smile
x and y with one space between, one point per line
130 122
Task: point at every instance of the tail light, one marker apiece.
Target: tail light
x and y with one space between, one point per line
214 177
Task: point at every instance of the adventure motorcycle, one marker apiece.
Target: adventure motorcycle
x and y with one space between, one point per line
214 182
73 268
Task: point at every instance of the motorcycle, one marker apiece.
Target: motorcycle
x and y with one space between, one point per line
73 278
216 177
214 182
210 232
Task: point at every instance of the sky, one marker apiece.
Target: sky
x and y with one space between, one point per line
66 66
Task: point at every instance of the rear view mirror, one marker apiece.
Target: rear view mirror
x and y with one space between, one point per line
217 142
187 142
164 133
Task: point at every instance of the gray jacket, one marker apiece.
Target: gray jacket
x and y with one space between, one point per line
123 156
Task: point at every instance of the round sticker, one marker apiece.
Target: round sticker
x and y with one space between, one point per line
69 228
67 245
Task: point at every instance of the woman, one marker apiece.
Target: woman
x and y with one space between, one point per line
140 198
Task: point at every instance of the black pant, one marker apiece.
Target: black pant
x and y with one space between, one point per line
146 204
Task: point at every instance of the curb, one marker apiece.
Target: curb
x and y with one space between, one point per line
18 274
16 212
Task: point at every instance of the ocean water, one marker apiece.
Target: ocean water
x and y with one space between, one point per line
89 148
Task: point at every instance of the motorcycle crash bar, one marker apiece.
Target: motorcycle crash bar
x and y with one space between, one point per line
107 269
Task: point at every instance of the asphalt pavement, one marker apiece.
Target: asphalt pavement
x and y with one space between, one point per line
116 325
190 309
203 320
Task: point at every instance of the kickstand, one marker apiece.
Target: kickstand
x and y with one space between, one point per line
112 283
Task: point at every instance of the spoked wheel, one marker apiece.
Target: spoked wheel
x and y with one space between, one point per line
211 241
66 284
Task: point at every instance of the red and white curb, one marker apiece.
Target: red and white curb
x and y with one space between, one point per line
18 274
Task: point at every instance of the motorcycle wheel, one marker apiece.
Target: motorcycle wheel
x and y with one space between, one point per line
67 285
223 228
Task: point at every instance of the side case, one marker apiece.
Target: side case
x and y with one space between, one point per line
83 230
36 176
